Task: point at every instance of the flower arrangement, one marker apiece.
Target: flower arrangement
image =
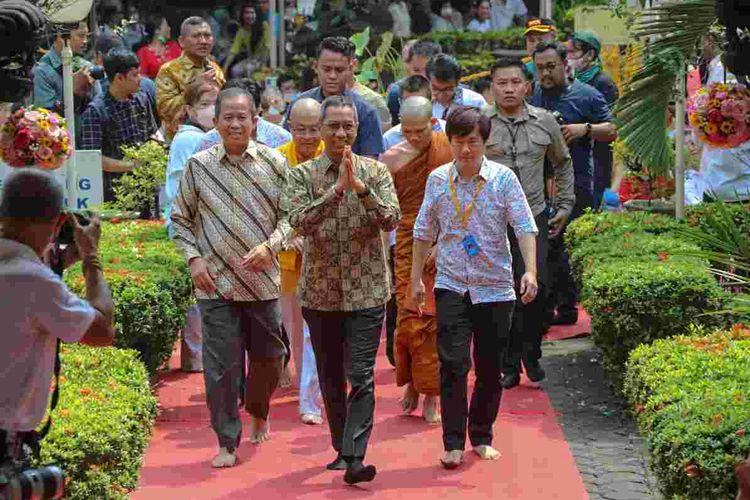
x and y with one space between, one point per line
35 137
720 115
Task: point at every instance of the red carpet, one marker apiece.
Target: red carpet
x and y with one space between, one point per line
580 329
536 461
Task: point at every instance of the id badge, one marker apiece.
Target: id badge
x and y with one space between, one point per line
470 245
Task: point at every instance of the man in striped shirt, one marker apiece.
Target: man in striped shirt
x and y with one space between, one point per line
226 219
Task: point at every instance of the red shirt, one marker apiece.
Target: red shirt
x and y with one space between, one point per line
150 62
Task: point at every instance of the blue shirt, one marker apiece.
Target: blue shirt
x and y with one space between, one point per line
267 133
184 145
369 140
577 103
488 276
393 101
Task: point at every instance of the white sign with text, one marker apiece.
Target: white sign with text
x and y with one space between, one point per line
89 191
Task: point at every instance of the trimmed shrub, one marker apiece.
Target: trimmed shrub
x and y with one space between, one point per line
150 284
697 214
616 224
102 424
630 246
690 395
633 302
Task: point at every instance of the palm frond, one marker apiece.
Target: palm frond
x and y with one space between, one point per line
674 30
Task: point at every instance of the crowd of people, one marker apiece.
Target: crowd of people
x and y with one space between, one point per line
312 222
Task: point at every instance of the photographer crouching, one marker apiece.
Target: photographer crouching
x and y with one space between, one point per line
38 312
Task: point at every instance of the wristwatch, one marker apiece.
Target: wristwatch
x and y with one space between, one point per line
588 130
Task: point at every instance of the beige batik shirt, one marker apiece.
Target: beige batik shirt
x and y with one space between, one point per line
344 264
224 209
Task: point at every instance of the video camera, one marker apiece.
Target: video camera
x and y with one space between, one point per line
18 479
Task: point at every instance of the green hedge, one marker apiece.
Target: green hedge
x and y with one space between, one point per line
690 395
150 285
696 215
471 42
634 286
102 424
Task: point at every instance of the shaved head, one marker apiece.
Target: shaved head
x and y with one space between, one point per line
304 108
417 121
416 108
304 124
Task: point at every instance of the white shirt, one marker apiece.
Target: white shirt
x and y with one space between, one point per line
480 26
502 13
469 98
395 136
39 310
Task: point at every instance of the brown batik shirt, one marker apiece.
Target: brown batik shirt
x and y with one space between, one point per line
224 209
344 265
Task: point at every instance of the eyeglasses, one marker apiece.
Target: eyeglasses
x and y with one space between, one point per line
300 130
547 68
446 90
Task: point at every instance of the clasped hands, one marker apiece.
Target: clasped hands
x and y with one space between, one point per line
347 179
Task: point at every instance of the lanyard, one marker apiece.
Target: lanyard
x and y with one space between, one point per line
513 132
464 214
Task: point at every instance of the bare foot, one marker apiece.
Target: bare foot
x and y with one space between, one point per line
312 419
431 410
452 459
410 401
260 430
486 452
225 458
286 378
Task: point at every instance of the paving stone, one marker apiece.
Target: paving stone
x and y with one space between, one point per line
610 454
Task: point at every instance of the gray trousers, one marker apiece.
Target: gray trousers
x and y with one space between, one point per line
229 329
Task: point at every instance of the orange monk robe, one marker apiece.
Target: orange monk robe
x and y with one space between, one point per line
416 336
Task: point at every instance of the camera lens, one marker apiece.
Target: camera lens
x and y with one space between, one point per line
37 484
97 72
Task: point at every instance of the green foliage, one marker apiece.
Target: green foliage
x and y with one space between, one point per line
102 424
476 63
137 189
690 397
470 42
673 30
616 224
150 284
385 58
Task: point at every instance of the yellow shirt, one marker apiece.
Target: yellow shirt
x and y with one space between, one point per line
289 259
172 82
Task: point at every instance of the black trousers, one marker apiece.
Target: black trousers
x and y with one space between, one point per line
391 314
528 319
563 294
488 324
345 346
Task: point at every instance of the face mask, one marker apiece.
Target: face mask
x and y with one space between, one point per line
574 64
273 111
290 96
446 12
205 117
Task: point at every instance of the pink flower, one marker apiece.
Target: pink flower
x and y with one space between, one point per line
721 95
44 153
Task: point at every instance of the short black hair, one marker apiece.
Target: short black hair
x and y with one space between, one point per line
562 52
444 68
106 42
424 48
31 194
248 85
508 62
482 84
192 22
415 83
337 101
119 62
231 93
337 44
283 79
462 120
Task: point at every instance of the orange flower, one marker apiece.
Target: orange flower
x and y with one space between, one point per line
710 128
692 470
663 256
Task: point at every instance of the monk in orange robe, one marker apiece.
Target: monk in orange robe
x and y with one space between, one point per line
410 163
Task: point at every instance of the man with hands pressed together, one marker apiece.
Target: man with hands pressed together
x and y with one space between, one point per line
226 218
340 203
467 207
